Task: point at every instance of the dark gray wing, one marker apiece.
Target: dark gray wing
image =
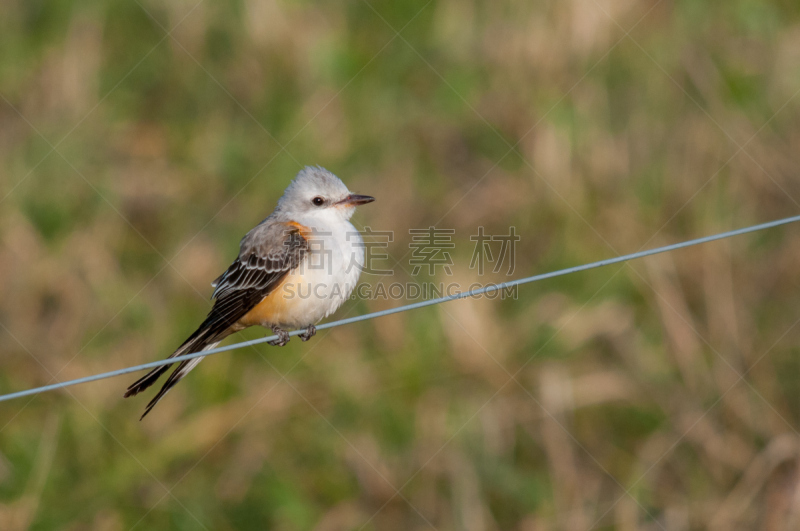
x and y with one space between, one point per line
267 254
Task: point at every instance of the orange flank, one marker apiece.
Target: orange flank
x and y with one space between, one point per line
277 308
304 231
282 307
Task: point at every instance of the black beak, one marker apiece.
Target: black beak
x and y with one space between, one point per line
355 200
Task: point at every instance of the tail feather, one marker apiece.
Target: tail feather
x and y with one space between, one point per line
202 339
146 381
194 343
183 369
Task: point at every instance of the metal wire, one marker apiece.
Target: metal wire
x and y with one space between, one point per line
471 293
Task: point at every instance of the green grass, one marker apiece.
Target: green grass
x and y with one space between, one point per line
544 116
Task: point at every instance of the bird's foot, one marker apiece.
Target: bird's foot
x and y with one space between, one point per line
309 333
283 337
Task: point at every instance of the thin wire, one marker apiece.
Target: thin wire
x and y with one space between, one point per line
463 295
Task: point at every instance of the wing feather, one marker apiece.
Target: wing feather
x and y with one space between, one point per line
265 259
267 254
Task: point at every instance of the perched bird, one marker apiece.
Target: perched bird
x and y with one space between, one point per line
294 268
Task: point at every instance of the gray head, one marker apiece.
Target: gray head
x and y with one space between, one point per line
316 193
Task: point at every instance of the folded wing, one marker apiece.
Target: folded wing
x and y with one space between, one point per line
267 254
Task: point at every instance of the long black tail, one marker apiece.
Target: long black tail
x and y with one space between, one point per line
202 339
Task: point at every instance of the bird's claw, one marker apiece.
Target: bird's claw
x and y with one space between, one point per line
283 337
309 333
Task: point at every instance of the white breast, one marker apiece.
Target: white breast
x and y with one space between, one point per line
327 276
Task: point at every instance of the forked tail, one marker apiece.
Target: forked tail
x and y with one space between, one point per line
201 340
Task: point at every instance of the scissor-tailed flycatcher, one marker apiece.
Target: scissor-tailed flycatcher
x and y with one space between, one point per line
294 268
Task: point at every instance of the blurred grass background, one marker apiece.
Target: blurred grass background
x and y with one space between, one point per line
139 142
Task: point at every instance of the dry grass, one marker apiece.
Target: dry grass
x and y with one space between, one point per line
611 399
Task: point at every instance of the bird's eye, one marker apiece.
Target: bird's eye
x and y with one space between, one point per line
318 201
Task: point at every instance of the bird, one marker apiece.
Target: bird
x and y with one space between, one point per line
294 269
